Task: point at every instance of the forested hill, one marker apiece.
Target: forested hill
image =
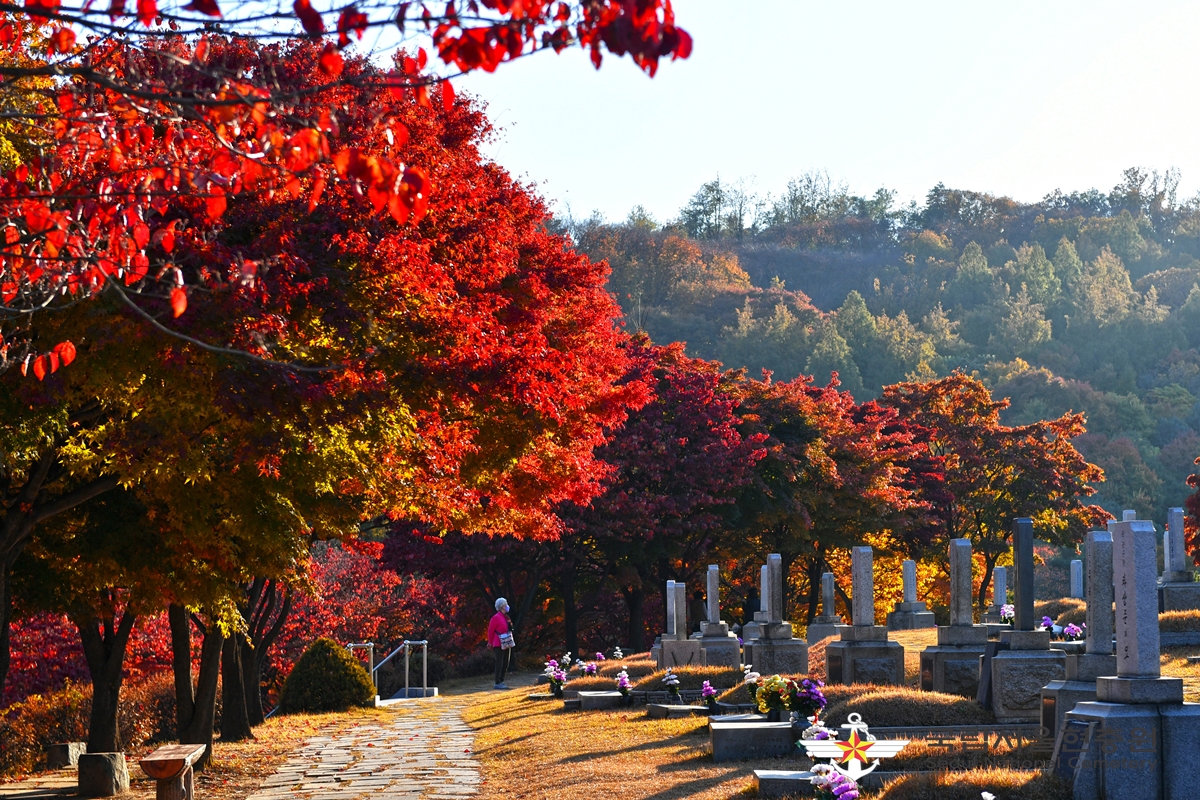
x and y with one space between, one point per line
1084 301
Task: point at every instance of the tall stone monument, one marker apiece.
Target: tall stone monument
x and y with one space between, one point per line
751 630
1025 663
829 622
1179 590
1137 738
1098 658
1076 578
676 649
719 646
952 666
991 617
775 650
910 613
864 654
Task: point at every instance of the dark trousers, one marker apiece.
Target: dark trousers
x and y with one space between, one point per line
501 663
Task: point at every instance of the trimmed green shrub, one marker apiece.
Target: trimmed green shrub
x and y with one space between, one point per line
326 678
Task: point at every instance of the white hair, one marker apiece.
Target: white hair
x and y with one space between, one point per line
501 603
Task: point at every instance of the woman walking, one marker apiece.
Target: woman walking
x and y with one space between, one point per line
500 639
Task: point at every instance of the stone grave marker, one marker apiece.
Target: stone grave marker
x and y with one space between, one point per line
991 617
720 647
864 654
1143 738
952 666
829 622
1179 590
1098 658
1076 578
1019 672
910 613
676 649
775 650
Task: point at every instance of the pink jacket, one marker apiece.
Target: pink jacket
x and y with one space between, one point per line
497 626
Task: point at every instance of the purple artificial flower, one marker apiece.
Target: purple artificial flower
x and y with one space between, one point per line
707 691
589 669
599 656
1047 622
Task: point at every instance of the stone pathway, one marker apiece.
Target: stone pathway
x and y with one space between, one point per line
424 752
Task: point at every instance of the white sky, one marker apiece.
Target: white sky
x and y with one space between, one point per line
1013 98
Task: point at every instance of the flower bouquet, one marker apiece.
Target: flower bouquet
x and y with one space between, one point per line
556 676
623 684
806 698
832 785
599 656
672 682
751 681
590 669
773 696
1073 633
709 695
1008 613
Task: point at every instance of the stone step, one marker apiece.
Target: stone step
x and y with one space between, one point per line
572 705
662 711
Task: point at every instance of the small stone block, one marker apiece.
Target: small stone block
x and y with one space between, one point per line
1090 666
1180 744
864 633
960 635
540 696
823 630
1026 640
776 630
103 774
783 783
664 711
572 705
1179 596
596 701
732 741
1136 691
677 654
1185 576
65 754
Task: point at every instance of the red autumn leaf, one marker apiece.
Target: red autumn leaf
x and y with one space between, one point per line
350 20
8 291
39 367
165 236
318 188
330 61
215 205
178 300
208 7
147 10
447 95
62 40
201 51
41 8
52 359
65 351
141 235
423 96
309 18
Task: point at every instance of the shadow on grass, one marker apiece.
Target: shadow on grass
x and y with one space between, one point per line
679 740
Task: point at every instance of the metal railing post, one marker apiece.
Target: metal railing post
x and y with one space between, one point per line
407 652
425 669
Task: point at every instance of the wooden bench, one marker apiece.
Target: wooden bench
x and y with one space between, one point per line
171 768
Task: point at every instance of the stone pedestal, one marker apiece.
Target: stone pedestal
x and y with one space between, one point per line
733 741
776 652
1020 672
1059 697
1147 751
675 654
823 627
952 666
721 648
599 701
908 616
103 774
864 655
1179 596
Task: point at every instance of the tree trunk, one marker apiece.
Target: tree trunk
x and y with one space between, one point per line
104 647
814 589
265 625
235 724
570 613
989 567
635 600
195 710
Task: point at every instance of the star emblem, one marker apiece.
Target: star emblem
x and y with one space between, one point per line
855 748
